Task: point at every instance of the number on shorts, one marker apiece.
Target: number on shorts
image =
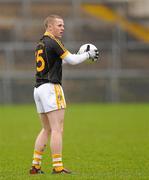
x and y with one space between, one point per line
39 59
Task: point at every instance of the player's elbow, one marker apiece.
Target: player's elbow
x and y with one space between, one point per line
72 59
72 62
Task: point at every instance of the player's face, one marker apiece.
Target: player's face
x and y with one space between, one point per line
57 28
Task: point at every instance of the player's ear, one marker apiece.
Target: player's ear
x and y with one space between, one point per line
49 26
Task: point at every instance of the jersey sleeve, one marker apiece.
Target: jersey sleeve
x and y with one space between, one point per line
59 49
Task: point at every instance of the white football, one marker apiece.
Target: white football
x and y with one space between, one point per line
86 47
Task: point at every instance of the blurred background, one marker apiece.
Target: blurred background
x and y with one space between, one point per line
119 28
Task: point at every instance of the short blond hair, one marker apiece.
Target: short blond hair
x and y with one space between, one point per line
48 20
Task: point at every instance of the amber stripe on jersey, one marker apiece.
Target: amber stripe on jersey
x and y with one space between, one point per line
64 54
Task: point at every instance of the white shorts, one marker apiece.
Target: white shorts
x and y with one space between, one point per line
49 97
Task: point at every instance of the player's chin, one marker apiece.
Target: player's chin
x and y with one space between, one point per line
60 35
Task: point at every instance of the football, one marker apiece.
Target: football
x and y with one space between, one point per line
86 47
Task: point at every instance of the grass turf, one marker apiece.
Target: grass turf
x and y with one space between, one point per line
100 142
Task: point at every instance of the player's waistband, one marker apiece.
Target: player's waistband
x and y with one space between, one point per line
39 82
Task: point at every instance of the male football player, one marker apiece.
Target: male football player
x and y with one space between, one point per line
49 98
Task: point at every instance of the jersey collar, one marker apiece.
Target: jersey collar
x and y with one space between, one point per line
48 34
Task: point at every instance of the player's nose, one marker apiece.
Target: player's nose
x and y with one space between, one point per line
62 28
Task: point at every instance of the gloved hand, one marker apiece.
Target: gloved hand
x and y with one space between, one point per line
93 54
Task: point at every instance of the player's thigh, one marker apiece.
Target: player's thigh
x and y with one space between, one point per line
51 97
38 101
45 121
56 119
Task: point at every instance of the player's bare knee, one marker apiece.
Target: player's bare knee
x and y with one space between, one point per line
56 130
47 130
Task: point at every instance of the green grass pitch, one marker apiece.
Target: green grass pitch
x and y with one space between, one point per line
101 141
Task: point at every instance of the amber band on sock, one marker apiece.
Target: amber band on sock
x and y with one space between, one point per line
37 157
57 162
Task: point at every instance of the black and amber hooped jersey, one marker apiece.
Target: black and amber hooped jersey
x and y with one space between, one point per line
49 54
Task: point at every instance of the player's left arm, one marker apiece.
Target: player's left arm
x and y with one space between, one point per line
73 59
79 58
